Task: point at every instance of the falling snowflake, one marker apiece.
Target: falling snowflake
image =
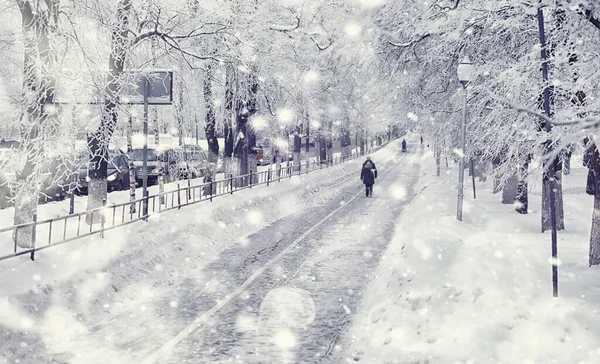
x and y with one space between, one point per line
284 339
254 218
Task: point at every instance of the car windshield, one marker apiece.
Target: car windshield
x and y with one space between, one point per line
83 159
138 155
193 154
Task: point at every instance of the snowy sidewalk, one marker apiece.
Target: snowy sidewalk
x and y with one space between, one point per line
479 291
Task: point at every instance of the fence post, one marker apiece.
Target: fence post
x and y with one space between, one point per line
231 183
145 206
178 196
71 202
250 182
103 218
189 192
33 236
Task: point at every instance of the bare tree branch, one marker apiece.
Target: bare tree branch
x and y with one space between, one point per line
286 28
410 43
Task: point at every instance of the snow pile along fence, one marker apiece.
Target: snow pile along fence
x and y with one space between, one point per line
59 230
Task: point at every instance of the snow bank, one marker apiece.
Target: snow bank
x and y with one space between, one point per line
480 290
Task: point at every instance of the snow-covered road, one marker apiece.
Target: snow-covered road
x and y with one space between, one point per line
273 275
286 295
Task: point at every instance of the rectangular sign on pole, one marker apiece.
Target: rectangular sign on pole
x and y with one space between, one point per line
160 87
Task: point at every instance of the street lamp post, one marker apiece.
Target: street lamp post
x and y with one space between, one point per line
465 74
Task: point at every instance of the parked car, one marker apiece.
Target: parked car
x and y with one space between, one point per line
58 177
138 161
196 159
9 144
264 155
173 164
117 174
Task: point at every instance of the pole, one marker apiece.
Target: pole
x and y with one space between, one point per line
197 136
145 157
473 176
548 128
461 163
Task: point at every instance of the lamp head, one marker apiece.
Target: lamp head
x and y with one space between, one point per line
465 71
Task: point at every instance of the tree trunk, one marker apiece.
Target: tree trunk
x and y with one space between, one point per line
590 187
307 133
509 190
211 121
329 141
240 151
496 187
132 175
593 163
38 94
297 147
595 233
437 159
98 141
180 117
322 147
567 163
362 143
346 145
250 133
228 131
522 194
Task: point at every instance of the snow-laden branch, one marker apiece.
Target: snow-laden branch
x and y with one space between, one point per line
585 122
587 13
321 48
411 42
446 8
192 34
286 28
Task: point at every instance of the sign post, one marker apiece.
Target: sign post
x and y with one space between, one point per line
145 157
152 87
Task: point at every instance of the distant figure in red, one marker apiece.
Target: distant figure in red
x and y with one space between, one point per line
368 174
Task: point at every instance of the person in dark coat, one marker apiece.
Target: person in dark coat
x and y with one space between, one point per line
368 174
404 145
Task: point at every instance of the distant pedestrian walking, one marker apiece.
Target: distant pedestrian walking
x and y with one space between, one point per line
404 145
421 140
368 174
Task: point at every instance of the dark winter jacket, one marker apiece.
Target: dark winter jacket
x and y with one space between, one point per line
368 172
